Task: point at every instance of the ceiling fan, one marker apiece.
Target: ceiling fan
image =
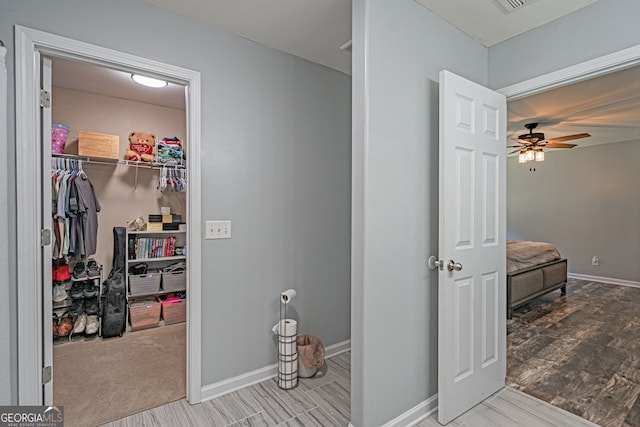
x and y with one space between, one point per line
532 143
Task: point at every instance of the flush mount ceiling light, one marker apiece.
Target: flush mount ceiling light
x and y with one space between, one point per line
148 81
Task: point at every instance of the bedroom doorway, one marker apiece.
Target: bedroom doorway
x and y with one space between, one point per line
569 351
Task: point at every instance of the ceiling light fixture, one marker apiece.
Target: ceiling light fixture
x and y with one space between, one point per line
530 155
148 81
522 157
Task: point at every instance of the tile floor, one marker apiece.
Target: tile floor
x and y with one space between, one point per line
580 352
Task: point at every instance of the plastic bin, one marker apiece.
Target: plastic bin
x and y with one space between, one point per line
144 313
59 134
144 284
174 281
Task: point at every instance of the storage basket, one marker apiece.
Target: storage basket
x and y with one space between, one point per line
144 284
174 310
144 313
58 137
174 281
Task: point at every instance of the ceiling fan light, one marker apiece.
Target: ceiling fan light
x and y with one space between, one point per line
540 156
522 157
530 155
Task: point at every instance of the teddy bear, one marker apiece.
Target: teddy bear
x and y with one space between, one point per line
141 147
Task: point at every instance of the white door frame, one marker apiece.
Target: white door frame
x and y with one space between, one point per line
606 64
28 43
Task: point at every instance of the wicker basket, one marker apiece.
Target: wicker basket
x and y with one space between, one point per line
174 281
174 311
144 313
144 284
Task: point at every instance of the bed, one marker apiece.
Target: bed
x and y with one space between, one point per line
533 269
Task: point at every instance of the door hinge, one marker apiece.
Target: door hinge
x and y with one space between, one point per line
46 374
45 237
45 99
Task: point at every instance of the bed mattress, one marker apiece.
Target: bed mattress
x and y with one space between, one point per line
524 254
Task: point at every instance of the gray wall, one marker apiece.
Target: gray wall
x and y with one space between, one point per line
586 202
591 226
395 174
275 160
601 28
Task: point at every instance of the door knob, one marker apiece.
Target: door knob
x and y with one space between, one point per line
435 263
451 266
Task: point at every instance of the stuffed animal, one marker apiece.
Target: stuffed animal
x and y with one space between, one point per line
141 147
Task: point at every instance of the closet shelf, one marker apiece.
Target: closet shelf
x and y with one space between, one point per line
115 162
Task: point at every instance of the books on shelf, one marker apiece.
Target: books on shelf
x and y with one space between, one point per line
154 247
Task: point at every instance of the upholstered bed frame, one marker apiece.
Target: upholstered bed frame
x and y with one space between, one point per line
529 283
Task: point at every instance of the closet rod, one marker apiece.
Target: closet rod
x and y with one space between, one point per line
114 162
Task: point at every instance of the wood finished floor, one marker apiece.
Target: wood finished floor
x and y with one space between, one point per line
324 401
580 352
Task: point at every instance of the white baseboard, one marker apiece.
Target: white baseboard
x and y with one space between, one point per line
211 391
416 414
610 280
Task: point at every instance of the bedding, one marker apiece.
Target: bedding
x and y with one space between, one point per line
524 254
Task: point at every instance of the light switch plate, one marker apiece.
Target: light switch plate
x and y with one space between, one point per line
218 230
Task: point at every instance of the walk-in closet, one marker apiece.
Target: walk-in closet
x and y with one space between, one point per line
119 240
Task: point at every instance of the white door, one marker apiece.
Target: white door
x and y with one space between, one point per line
472 227
47 311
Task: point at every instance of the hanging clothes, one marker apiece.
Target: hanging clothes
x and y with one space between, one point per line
75 210
92 206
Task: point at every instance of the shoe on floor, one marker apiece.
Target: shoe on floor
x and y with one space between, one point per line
93 324
93 269
65 326
79 272
55 325
80 324
59 292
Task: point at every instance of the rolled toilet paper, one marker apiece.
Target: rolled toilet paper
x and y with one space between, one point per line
287 296
287 349
285 328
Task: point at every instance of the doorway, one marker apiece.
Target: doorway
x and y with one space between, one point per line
33 353
596 332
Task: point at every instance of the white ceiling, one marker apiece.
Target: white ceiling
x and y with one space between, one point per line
87 77
489 23
315 29
311 29
607 107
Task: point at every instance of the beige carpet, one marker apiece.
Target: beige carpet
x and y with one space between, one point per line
98 380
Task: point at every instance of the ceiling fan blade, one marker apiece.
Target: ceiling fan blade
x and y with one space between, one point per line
522 141
514 151
515 146
559 145
567 138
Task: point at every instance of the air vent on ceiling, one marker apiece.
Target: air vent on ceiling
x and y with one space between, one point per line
513 5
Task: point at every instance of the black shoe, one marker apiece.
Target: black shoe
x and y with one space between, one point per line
79 272
89 290
91 306
77 290
77 308
93 269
